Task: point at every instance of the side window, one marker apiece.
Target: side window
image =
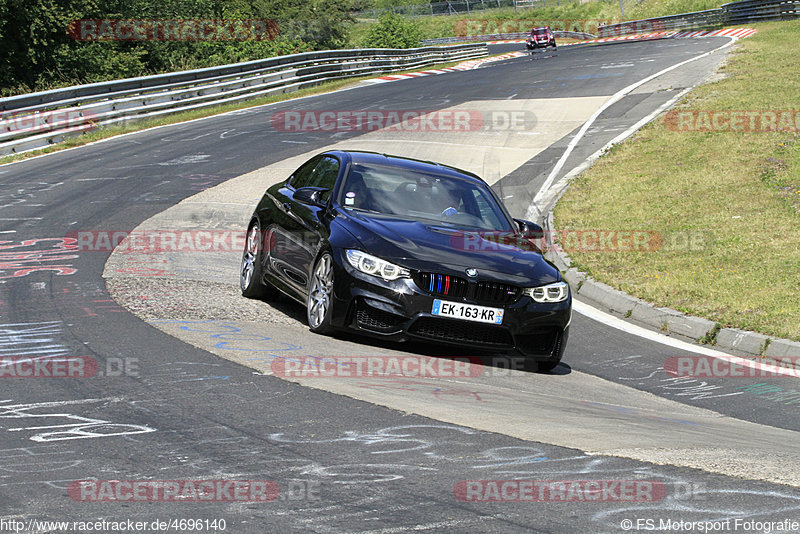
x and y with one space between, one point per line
302 176
325 174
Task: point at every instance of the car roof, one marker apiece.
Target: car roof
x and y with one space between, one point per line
389 160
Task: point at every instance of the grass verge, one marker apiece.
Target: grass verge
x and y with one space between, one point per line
726 203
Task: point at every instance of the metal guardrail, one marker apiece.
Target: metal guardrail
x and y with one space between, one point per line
758 10
504 37
731 13
41 119
712 18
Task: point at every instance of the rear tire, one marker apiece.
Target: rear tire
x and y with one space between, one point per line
250 270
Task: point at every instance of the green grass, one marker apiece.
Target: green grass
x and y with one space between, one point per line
737 193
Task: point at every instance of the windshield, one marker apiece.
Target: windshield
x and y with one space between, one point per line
540 32
425 197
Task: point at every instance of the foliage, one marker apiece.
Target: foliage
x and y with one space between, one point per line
393 31
37 51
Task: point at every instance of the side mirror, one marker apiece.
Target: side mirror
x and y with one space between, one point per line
313 196
530 230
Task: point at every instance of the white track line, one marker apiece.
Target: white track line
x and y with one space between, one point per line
616 97
556 189
630 328
608 319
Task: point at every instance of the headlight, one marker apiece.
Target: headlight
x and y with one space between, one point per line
369 264
549 293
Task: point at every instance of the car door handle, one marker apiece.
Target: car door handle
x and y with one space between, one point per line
287 206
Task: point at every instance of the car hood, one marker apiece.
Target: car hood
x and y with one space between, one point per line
428 246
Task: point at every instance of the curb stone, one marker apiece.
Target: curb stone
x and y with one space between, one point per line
749 342
669 321
779 348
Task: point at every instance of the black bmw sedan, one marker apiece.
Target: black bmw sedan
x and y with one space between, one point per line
404 249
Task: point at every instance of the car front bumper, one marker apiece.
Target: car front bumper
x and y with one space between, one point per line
534 45
400 310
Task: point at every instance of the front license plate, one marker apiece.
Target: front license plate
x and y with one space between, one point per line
469 312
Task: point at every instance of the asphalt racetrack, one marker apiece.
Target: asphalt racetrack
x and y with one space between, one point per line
183 384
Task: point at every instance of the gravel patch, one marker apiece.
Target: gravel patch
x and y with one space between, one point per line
168 298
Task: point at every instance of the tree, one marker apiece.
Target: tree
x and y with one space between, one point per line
38 51
393 31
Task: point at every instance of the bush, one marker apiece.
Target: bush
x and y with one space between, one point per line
393 31
37 51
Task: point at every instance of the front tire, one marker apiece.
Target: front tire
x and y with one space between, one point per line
319 303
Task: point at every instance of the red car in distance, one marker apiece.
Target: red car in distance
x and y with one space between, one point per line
540 38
